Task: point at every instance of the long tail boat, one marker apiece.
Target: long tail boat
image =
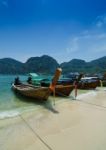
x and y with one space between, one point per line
40 93
64 86
87 83
63 90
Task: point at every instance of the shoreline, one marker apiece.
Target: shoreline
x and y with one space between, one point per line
11 113
70 124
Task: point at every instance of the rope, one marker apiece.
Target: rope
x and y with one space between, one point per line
36 134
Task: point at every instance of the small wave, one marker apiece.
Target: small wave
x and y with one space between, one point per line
16 112
8 114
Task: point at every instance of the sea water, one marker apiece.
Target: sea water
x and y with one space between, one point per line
10 104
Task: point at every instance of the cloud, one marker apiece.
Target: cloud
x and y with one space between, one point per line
4 3
73 45
87 46
100 21
77 43
90 43
99 24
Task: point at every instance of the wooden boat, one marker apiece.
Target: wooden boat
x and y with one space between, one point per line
62 81
64 86
88 83
41 93
63 90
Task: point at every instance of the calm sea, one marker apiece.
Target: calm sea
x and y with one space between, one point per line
10 104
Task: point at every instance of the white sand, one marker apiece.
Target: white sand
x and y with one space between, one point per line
71 125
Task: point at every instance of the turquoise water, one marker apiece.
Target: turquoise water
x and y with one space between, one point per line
10 104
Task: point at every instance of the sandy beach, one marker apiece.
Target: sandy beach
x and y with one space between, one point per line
69 125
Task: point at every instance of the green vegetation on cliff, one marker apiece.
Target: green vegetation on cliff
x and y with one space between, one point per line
47 64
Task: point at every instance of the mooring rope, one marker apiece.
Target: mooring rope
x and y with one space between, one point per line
36 134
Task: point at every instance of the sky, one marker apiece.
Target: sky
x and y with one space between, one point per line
63 29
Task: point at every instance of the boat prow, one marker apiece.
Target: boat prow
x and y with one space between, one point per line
40 93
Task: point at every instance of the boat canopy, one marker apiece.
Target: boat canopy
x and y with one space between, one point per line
33 74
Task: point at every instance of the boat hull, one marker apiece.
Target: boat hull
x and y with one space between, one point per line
91 85
63 90
39 93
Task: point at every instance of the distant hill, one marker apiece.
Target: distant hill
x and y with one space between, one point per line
100 63
10 66
73 66
43 64
47 64
95 66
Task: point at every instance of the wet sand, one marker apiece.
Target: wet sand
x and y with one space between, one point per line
72 124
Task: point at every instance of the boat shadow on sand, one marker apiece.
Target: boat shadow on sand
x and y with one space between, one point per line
48 104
